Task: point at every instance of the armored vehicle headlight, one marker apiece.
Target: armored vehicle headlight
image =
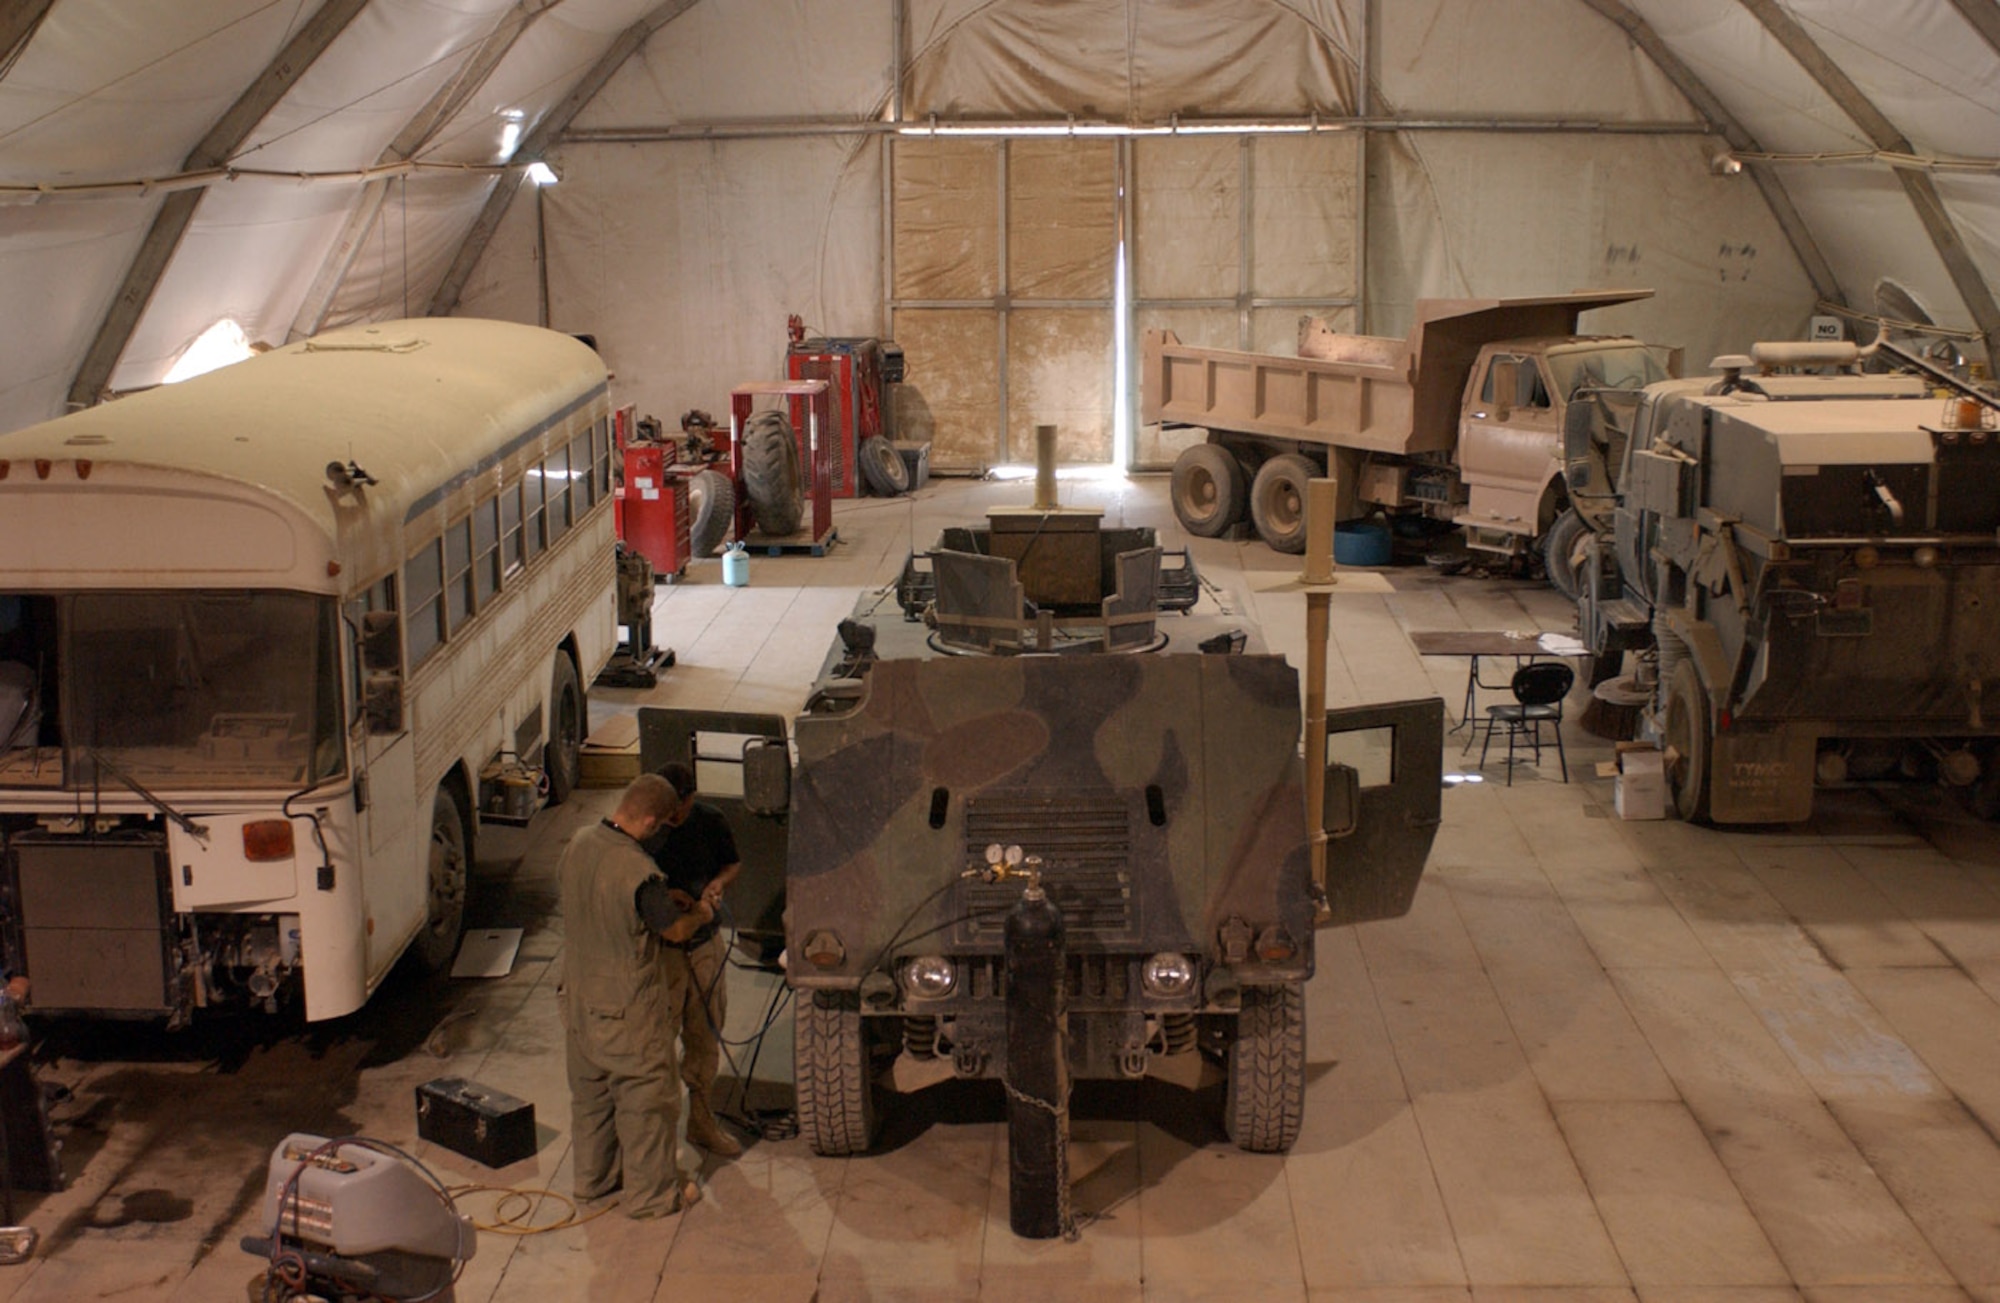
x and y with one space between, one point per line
929 977
1167 975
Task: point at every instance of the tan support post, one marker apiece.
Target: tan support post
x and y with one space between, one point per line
1045 468
1319 601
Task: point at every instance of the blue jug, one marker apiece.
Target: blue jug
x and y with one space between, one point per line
735 566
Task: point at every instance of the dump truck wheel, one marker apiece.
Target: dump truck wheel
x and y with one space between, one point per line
771 473
1278 501
835 1100
1208 490
1267 1069
448 879
1559 553
888 475
1685 733
562 754
711 510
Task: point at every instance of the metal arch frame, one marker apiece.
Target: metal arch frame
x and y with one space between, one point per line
546 133
1737 136
421 129
176 212
1917 184
1984 15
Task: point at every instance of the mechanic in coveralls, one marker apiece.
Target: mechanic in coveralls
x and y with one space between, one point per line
697 852
619 1028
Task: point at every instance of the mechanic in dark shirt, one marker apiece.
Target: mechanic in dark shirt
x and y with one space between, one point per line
697 853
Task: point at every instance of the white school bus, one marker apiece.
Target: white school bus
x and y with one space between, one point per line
270 640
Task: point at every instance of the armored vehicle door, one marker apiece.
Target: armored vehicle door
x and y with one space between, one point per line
1383 837
742 767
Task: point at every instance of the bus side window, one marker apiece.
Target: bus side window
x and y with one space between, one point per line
459 602
582 475
533 486
423 588
555 475
601 452
486 546
511 556
378 658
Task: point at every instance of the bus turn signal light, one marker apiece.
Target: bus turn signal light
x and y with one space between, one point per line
265 840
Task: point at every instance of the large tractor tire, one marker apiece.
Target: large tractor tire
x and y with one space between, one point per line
562 754
1560 553
888 475
1278 501
448 882
830 1071
1266 1100
771 473
711 511
1685 731
1209 490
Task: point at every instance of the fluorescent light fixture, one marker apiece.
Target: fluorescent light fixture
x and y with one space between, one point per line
215 348
1217 127
542 174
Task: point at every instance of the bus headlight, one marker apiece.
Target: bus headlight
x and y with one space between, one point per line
929 977
1166 975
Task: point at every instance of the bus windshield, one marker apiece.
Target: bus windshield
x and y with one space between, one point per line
177 690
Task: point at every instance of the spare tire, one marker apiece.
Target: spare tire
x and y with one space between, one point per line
711 511
888 475
771 473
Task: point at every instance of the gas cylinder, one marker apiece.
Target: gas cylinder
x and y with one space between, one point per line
736 566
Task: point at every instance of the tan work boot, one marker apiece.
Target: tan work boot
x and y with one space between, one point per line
705 1131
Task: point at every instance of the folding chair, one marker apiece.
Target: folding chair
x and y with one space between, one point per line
1539 690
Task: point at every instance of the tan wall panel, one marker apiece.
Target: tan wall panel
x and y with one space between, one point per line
947 219
952 395
1062 218
1185 227
1302 215
1059 369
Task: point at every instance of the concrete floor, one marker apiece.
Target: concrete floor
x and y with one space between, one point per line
1598 1061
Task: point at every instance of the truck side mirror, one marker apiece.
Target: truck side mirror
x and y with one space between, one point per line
382 702
767 776
1340 806
381 645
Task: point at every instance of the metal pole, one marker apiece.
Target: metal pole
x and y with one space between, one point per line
1320 497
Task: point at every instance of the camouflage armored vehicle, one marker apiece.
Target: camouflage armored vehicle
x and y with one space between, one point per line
1813 553
1150 761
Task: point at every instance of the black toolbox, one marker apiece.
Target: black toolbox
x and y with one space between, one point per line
486 1125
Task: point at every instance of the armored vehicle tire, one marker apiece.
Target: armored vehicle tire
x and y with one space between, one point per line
888 475
835 1099
1266 1099
449 877
1208 490
711 509
771 472
1278 501
1684 730
1559 553
562 754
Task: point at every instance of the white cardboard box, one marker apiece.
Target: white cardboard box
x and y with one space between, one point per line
1640 790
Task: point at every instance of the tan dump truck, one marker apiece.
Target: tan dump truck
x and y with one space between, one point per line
1461 422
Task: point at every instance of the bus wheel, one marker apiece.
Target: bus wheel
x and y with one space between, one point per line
449 876
562 758
1208 490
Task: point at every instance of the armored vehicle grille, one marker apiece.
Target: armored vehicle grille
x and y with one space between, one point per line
1085 842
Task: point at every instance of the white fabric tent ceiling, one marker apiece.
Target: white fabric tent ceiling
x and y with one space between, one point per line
302 164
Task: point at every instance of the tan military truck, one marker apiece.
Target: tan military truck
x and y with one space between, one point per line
1461 422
